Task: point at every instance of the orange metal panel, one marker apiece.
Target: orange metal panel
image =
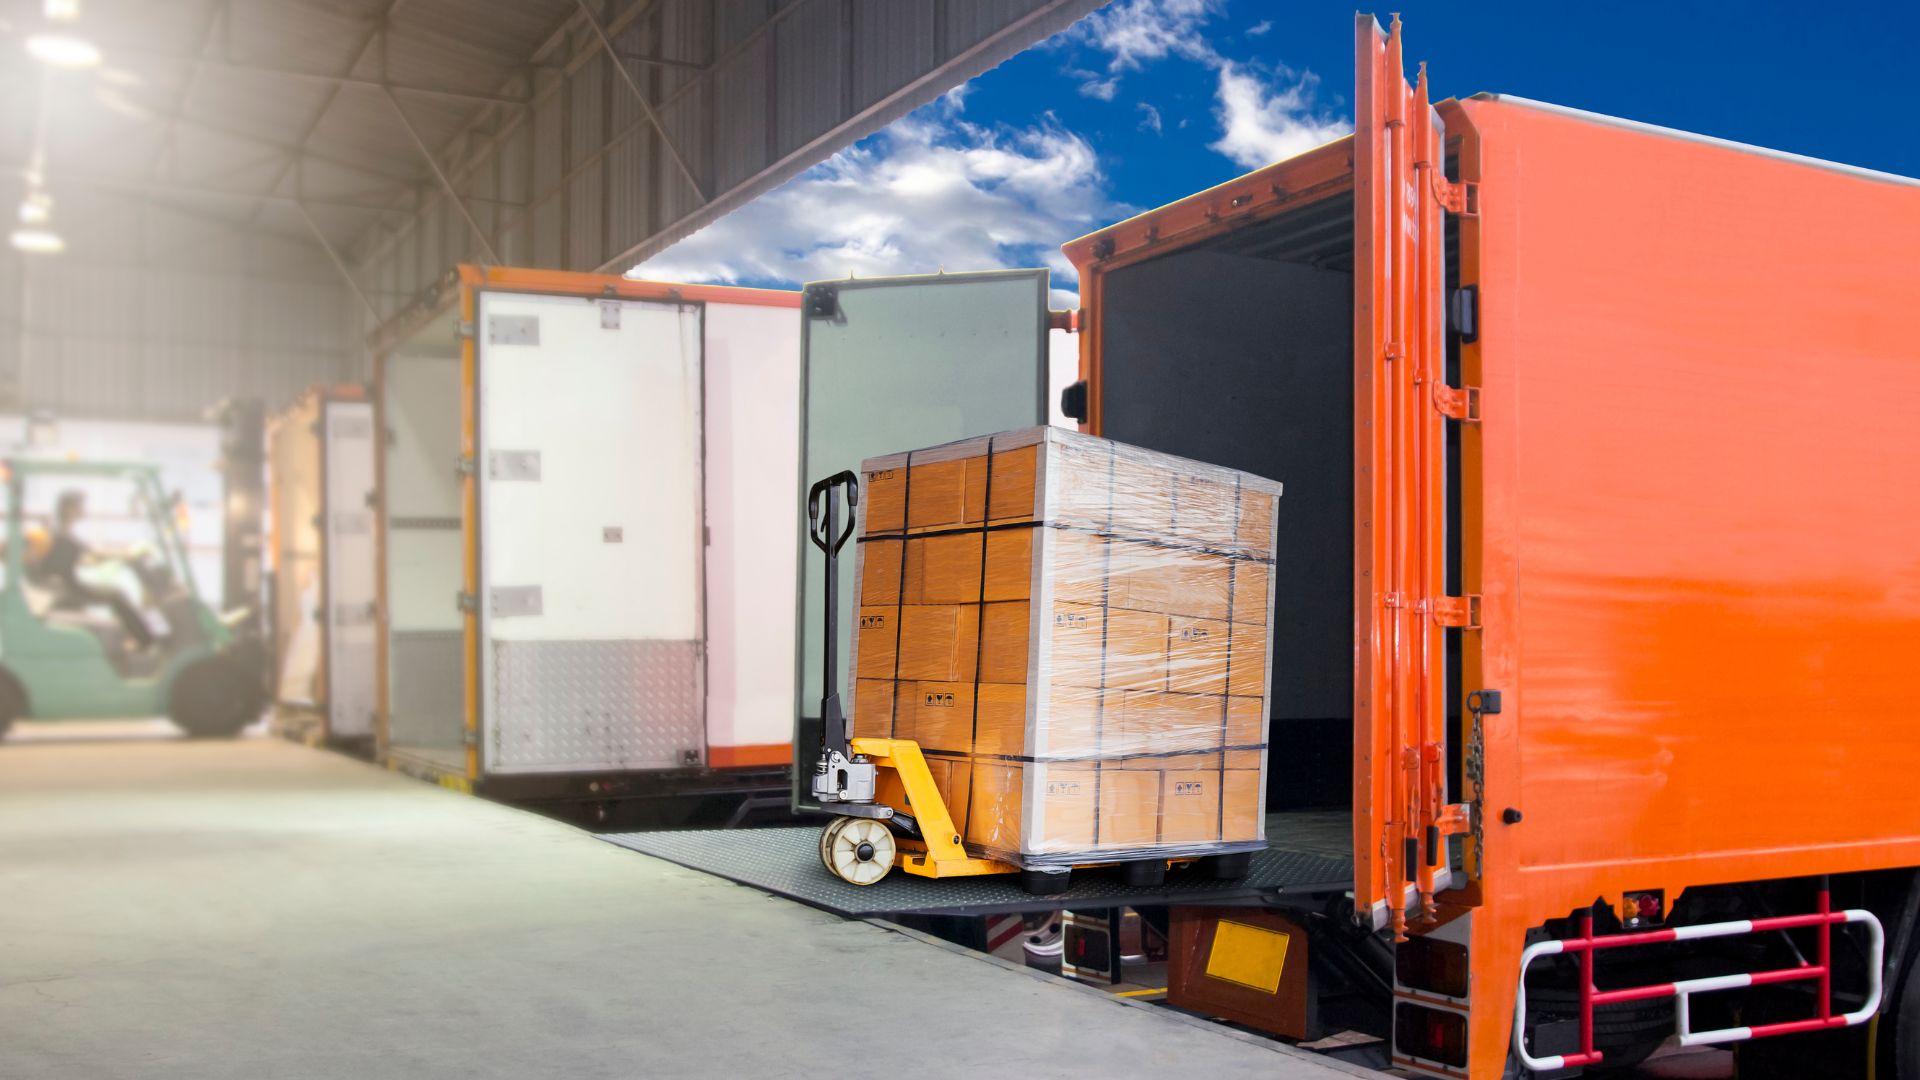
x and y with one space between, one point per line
1683 505
568 283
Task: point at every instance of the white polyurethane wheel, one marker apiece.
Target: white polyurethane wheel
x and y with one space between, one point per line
826 841
859 850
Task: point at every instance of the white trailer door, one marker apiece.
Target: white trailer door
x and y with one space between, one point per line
892 364
349 569
588 460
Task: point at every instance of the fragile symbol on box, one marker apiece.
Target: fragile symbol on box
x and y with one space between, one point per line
880 474
1070 618
1063 787
940 701
1188 787
873 622
1193 633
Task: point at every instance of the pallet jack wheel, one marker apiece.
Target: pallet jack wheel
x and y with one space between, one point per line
1145 873
826 843
1045 883
859 851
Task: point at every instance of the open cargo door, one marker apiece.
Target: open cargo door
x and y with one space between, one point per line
586 611
347 451
893 364
1401 402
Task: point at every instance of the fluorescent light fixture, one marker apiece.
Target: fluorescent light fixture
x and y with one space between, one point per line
38 241
63 51
61 10
36 209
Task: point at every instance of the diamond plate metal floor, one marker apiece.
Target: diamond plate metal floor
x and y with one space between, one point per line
1308 851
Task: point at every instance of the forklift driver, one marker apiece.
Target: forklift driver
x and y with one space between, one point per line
60 569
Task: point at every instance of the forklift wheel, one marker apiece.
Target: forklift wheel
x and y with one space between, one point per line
212 699
859 851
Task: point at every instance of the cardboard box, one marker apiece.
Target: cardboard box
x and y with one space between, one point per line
1078 642
1252 592
1248 675
872 706
1000 719
938 642
880 572
938 716
1241 815
1076 632
1129 808
1005 637
1067 795
1189 806
1197 655
876 639
994 819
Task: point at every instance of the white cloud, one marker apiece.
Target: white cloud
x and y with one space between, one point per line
1134 33
1263 117
929 192
1151 121
1262 122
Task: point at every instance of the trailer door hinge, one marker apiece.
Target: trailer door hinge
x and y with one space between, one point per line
463 329
463 465
1462 198
1459 403
1457 611
467 602
469 737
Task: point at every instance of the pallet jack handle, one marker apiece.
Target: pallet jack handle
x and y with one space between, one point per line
827 533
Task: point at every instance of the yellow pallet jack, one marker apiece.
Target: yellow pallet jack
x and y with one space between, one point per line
888 808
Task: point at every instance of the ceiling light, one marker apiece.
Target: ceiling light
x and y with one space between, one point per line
37 241
36 209
63 50
61 10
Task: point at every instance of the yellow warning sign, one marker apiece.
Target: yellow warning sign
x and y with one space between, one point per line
1249 956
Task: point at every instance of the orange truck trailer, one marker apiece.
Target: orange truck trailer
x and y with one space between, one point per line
1602 453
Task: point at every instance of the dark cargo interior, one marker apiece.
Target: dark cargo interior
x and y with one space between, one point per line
1239 352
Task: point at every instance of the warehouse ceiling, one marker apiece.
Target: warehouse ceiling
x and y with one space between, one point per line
397 137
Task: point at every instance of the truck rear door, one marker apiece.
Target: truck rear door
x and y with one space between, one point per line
347 465
892 364
1401 610
586 453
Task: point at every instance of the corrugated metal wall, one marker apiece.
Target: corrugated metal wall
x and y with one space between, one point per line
746 93
155 314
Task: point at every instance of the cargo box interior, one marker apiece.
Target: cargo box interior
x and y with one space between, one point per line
1239 351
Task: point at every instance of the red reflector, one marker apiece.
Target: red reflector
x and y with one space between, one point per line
1430 1034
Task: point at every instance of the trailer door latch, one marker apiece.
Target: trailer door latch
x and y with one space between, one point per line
1462 612
1462 199
1461 403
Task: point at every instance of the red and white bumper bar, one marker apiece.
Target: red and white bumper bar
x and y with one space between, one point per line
1820 971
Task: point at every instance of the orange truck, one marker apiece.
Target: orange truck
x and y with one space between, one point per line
1602 449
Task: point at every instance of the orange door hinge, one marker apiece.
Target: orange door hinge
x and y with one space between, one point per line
1457 611
1462 403
1462 199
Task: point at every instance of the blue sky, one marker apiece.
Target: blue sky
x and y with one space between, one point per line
1150 100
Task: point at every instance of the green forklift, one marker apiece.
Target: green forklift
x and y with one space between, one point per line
67 660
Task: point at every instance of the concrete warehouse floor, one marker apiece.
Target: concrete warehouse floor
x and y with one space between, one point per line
257 909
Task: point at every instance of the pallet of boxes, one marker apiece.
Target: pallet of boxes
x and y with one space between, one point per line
1075 632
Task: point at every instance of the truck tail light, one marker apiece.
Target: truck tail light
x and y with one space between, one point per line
1647 907
1430 1034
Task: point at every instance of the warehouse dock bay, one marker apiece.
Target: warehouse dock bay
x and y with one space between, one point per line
255 908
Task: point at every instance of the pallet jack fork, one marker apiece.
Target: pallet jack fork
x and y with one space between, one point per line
863 843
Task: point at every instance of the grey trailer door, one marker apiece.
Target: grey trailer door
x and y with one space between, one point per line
892 364
347 466
589 460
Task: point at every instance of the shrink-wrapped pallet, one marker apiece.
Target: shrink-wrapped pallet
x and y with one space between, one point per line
1076 633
